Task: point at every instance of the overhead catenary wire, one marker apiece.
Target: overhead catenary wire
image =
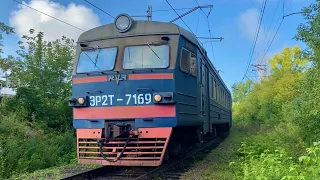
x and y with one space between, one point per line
255 39
48 15
180 18
193 18
99 9
209 29
274 36
269 28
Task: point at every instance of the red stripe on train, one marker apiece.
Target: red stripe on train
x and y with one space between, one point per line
89 79
118 112
150 76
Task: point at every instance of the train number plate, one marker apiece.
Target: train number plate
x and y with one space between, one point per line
127 99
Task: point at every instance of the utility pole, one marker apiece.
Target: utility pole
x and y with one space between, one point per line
149 15
261 70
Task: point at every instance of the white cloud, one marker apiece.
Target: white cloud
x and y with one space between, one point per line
247 22
80 16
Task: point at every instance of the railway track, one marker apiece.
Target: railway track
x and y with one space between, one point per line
172 170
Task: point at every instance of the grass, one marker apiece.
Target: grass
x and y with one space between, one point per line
215 166
55 172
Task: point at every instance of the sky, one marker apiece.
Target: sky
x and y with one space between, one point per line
234 20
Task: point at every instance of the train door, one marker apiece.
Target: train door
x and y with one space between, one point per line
204 113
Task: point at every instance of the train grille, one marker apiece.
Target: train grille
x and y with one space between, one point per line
138 149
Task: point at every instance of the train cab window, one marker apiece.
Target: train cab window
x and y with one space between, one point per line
97 60
188 62
146 57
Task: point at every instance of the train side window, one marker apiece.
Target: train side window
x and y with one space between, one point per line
212 87
225 100
220 94
215 89
185 60
193 64
223 96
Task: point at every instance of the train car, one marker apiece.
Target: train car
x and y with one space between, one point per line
142 91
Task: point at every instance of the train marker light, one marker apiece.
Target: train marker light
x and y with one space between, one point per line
157 98
81 100
123 22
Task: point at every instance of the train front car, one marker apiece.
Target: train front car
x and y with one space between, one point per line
122 92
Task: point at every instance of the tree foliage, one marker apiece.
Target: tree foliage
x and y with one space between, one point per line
4 29
36 125
264 101
42 76
288 103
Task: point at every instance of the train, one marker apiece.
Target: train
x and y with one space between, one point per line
142 91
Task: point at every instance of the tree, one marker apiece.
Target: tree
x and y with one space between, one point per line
309 32
305 112
263 102
241 90
4 29
42 75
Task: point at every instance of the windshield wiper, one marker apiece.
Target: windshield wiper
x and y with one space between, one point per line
95 64
153 51
97 56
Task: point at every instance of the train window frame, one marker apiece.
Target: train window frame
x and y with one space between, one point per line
188 71
114 64
145 44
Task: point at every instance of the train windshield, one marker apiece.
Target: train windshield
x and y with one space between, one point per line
97 60
146 57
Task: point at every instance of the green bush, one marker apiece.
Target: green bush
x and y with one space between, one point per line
24 149
277 164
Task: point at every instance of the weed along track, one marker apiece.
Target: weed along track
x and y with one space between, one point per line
173 169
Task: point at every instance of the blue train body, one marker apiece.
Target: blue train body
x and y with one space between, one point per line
153 84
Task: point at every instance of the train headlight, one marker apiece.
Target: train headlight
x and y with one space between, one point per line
81 100
157 97
123 22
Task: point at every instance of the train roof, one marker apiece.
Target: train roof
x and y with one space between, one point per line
143 28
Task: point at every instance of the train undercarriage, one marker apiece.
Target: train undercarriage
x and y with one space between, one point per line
120 145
